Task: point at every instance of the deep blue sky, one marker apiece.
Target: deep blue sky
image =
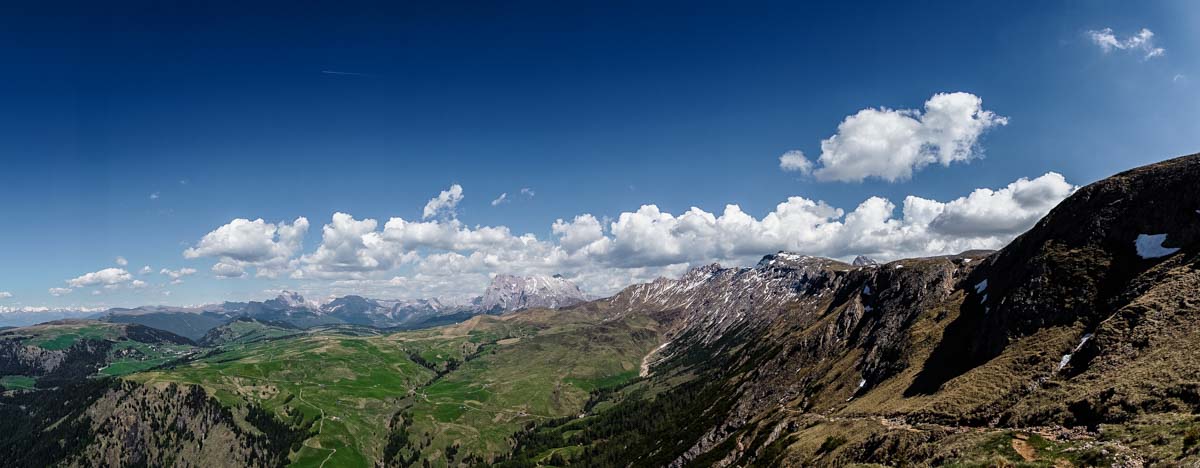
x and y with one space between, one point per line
223 109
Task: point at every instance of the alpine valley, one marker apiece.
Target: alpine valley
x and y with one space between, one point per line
1077 344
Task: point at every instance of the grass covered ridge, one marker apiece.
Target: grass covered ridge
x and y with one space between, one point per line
458 392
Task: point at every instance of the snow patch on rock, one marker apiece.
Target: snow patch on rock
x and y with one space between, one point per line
1150 246
1066 359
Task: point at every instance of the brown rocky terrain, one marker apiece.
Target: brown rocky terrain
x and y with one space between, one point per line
1076 343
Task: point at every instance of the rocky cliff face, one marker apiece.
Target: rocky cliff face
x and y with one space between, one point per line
805 333
106 422
508 292
136 425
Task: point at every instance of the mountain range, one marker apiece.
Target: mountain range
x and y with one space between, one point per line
504 293
1076 344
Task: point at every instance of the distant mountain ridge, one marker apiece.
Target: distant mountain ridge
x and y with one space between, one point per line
504 293
508 292
25 316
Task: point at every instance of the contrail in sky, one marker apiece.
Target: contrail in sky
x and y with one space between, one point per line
335 72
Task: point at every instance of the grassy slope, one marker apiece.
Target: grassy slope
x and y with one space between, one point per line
472 384
241 332
56 337
141 356
348 384
17 382
125 357
548 375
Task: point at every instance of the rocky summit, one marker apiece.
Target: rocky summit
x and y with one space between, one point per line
509 292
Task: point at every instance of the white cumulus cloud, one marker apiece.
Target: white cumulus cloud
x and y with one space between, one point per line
267 247
177 275
582 232
120 261
444 204
107 276
349 245
500 199
228 270
59 291
794 161
891 144
5 295
1007 211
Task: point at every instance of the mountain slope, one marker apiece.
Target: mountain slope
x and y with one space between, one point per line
192 325
64 351
1079 338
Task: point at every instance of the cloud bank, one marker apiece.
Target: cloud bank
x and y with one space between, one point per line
446 257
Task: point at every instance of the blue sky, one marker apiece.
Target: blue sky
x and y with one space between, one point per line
135 130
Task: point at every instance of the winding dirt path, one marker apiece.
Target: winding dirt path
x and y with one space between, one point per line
320 428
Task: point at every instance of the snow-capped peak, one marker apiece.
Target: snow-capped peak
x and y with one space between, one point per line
291 299
863 260
510 292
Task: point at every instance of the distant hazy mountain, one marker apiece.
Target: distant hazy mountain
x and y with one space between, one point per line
863 260
508 292
25 316
505 293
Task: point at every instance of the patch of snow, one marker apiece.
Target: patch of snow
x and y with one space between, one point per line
1150 246
861 384
1063 362
1067 357
981 287
867 290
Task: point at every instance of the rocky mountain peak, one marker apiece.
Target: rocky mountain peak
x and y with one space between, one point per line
292 299
1091 258
511 292
863 260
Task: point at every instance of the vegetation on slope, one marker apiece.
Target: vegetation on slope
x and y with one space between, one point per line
452 395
